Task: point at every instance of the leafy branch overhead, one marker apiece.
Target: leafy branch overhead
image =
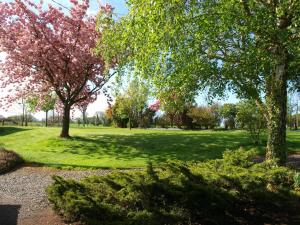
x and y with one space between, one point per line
248 47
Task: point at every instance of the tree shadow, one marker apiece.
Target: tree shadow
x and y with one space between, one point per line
154 147
135 149
10 130
9 214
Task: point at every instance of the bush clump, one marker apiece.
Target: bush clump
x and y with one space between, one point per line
9 160
223 191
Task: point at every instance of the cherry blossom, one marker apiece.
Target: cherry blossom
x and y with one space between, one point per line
50 50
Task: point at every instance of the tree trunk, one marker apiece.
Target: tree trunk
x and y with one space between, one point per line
58 119
83 118
276 103
26 119
46 122
65 121
297 116
23 114
53 117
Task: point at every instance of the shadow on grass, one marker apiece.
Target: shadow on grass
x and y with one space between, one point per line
67 166
10 130
153 147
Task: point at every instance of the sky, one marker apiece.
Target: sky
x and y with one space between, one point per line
100 104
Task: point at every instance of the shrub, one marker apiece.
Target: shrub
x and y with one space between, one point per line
297 180
223 191
250 117
9 160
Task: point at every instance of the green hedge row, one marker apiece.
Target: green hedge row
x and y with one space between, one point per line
232 190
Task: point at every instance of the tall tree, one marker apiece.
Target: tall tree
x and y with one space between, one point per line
250 47
228 111
82 106
205 116
35 103
250 117
131 104
48 104
50 50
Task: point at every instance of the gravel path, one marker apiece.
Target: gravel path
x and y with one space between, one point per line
22 194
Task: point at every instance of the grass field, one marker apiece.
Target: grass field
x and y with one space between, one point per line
122 148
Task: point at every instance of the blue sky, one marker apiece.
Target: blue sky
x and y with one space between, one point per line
119 5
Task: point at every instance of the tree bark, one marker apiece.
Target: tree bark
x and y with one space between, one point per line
46 121
53 117
26 119
23 113
129 122
297 116
65 121
58 119
83 117
276 103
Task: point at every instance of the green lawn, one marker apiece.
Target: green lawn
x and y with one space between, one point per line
122 148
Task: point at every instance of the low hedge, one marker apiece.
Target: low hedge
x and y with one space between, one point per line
9 160
232 190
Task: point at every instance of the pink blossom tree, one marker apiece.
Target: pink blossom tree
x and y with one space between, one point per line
51 50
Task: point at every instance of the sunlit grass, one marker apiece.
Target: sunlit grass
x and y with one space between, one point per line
122 148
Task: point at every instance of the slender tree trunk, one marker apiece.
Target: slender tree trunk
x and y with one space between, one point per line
65 122
46 122
83 117
26 119
291 114
23 114
58 119
297 116
276 103
53 117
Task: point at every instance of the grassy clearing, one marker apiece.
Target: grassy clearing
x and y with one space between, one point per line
122 148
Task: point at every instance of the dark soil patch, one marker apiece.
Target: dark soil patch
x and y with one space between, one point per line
9 160
293 161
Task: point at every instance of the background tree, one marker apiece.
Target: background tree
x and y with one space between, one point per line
205 116
24 105
45 104
49 50
82 106
293 111
136 97
107 117
247 46
250 117
120 113
48 104
228 112
131 104
175 105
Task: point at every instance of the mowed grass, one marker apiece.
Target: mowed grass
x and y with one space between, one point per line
122 148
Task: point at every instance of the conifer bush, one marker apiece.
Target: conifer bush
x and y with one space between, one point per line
222 191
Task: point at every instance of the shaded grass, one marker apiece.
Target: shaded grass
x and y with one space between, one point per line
121 148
